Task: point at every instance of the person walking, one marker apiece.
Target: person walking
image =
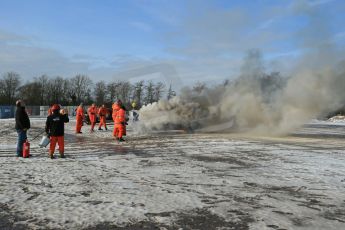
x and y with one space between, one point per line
119 117
92 111
21 126
55 129
102 112
79 118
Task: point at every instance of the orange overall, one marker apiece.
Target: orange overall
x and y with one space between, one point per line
61 142
119 121
92 111
102 112
79 119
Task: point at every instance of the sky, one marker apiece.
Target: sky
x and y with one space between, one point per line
180 42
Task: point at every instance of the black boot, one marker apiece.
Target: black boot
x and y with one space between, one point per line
100 128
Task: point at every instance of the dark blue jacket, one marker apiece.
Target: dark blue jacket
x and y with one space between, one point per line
22 119
55 124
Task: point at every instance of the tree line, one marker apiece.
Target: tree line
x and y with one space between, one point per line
45 90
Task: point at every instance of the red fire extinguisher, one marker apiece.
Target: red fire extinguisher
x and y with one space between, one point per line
26 149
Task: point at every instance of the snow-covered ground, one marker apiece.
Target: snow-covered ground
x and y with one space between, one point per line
176 180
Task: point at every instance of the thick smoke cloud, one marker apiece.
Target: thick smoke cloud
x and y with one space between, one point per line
258 102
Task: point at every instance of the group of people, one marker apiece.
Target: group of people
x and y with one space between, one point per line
118 116
57 117
92 111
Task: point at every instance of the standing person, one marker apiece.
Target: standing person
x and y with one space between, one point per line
55 130
92 111
79 118
22 125
119 117
102 112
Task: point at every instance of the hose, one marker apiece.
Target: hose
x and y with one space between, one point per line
37 135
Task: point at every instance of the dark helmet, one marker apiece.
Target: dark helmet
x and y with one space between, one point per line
119 102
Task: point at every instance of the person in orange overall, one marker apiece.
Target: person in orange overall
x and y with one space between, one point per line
119 118
92 111
102 112
55 130
79 118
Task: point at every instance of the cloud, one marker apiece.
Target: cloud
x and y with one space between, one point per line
320 2
212 41
205 43
266 24
141 26
18 54
7 37
339 36
163 11
209 43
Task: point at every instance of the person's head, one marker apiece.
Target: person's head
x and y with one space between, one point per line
81 104
20 103
56 108
116 106
93 105
103 106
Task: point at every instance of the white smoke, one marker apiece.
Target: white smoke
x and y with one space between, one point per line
255 102
258 102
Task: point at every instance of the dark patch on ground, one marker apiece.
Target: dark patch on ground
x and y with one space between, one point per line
320 136
201 219
142 225
9 221
228 159
338 215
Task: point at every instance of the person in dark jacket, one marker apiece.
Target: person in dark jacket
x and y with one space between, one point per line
22 125
55 130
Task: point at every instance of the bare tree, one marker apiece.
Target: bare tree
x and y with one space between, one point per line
42 81
10 83
113 89
138 90
57 90
124 92
30 92
2 92
100 92
81 87
149 93
171 93
158 91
